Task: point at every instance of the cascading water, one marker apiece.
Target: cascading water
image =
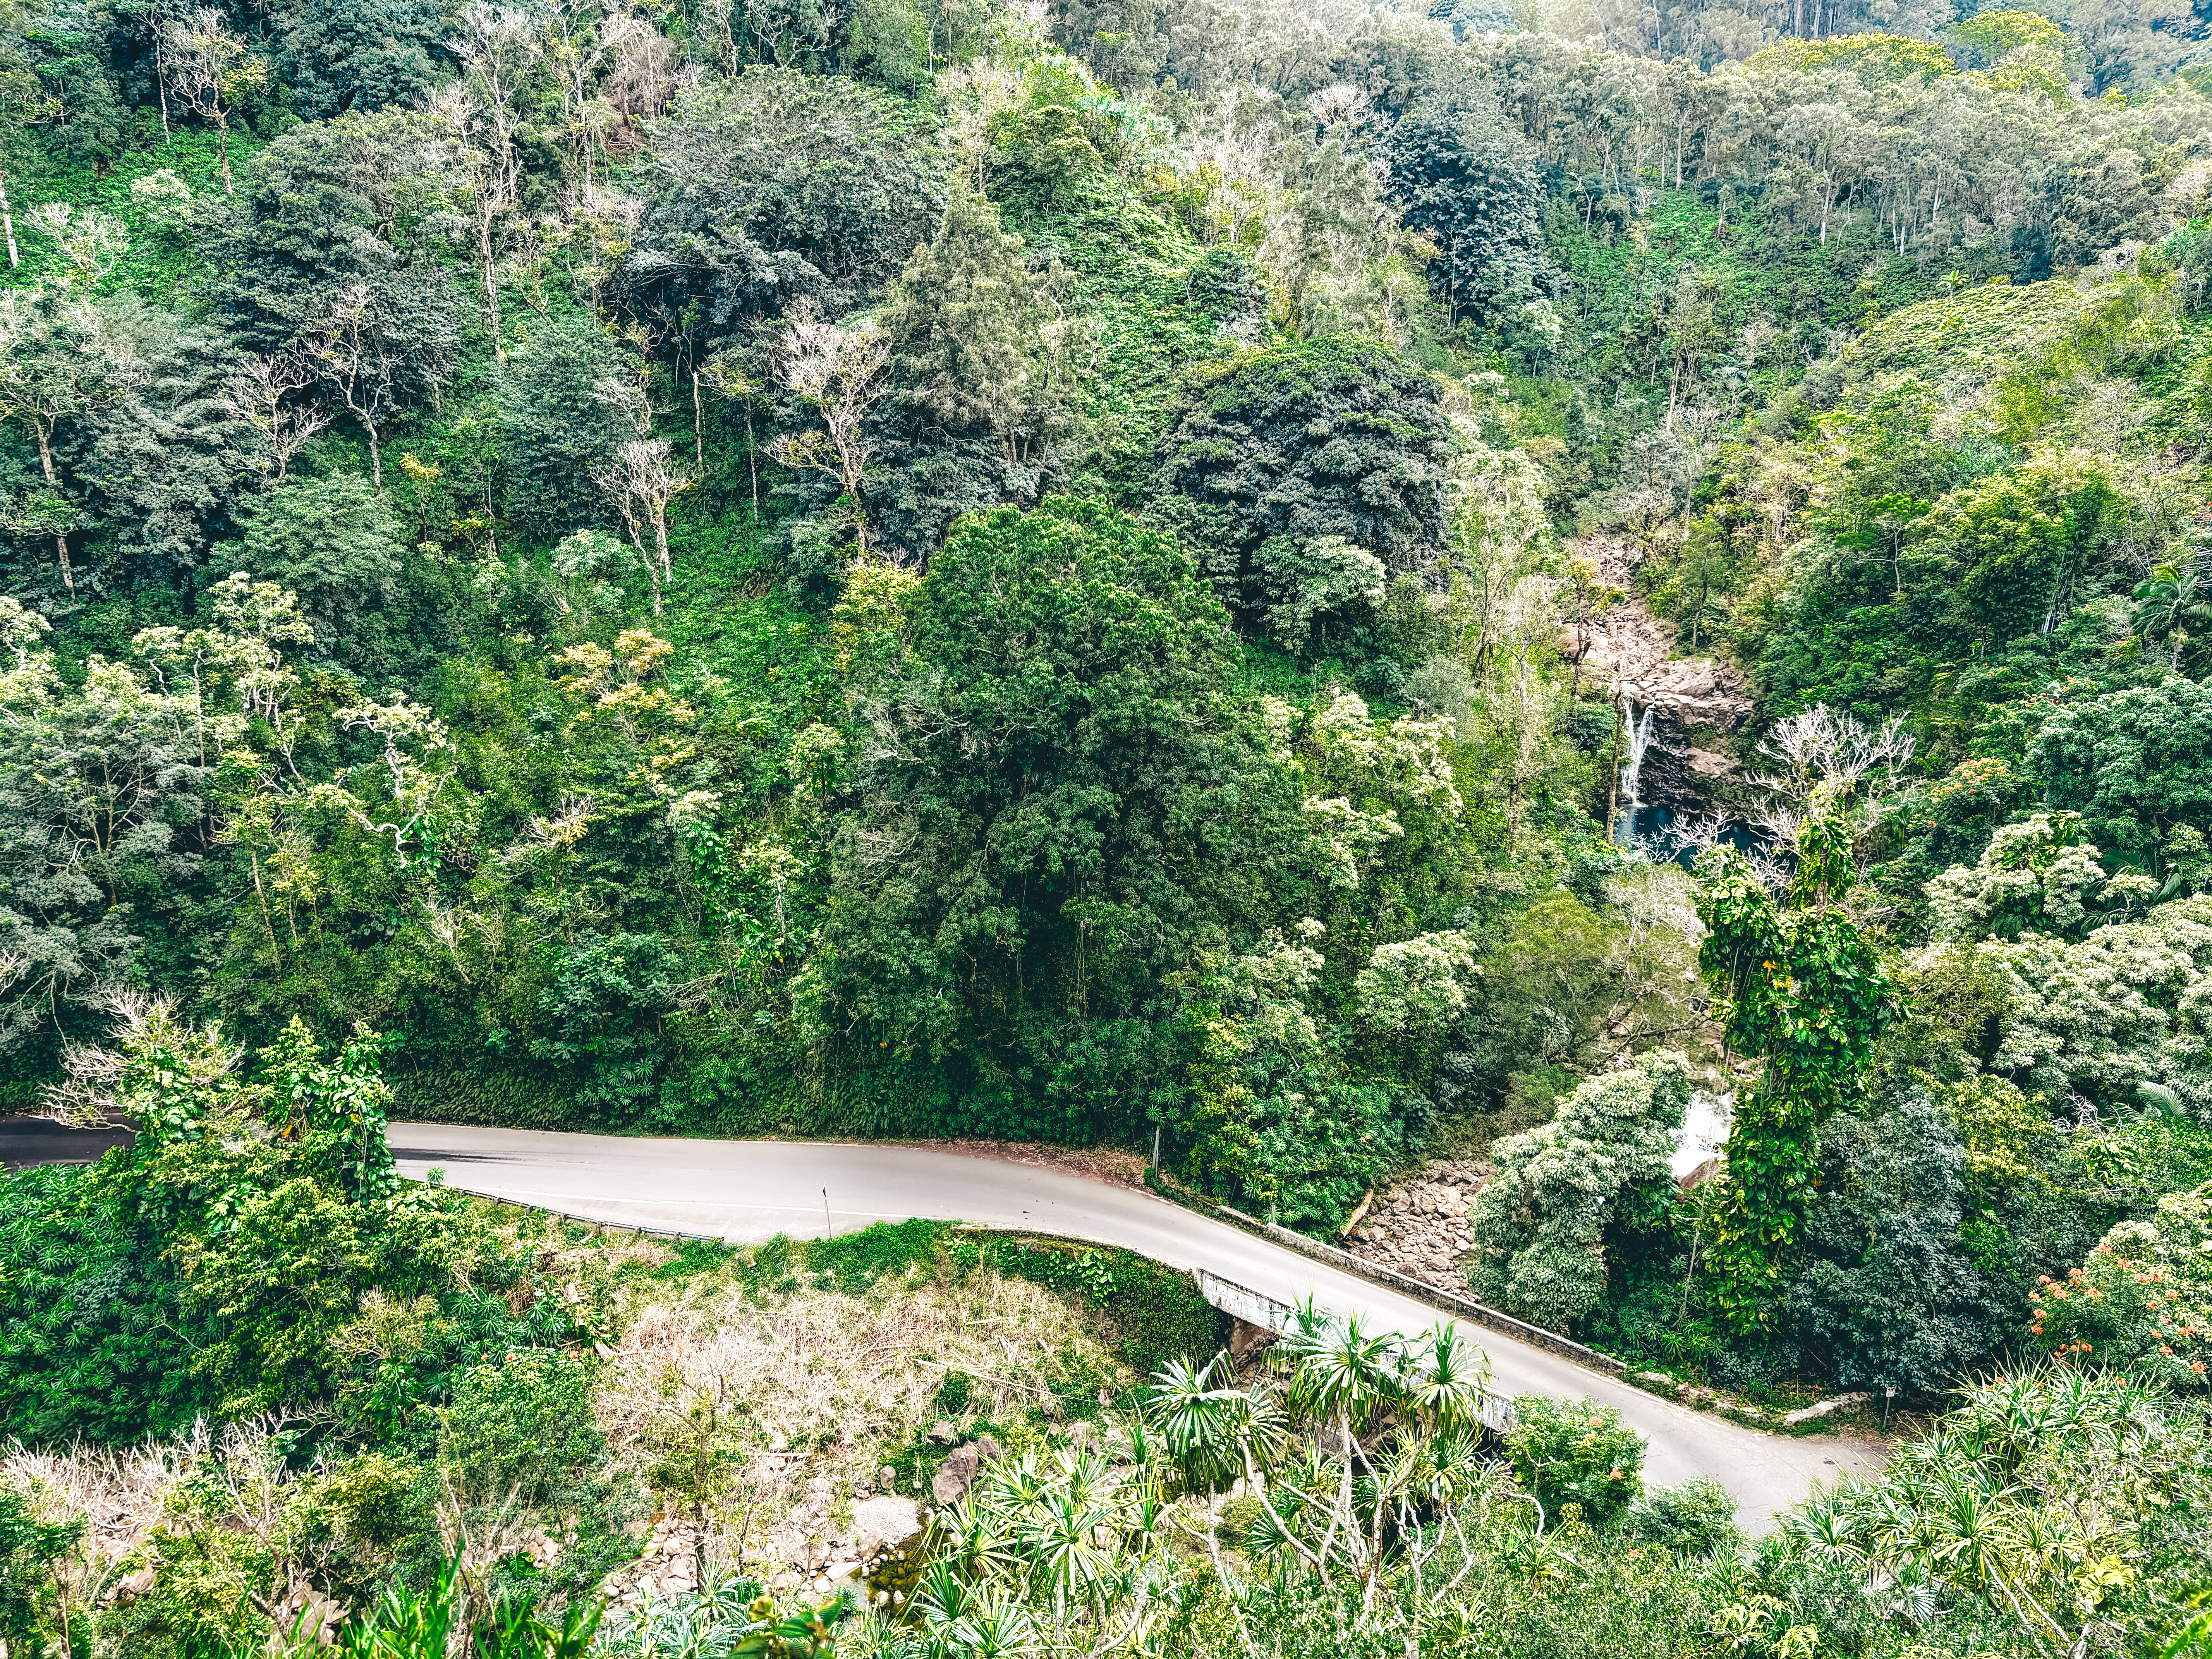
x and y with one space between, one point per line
1639 739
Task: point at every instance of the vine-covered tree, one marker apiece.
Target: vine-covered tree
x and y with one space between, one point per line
1803 988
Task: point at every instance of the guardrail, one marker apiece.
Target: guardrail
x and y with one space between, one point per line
1257 1308
1450 1302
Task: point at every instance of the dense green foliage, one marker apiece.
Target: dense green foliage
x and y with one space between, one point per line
917 570
1157 1312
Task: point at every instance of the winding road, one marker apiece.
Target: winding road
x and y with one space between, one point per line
748 1190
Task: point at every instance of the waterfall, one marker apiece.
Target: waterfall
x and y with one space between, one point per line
1639 739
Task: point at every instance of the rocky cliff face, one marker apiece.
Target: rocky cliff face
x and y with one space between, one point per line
1631 653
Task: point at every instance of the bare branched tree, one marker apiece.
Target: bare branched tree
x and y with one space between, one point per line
59 358
86 1094
92 243
1826 746
255 396
841 373
499 48
352 356
644 482
577 41
211 71
1698 835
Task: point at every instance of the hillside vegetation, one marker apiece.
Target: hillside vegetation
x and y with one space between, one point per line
1097 574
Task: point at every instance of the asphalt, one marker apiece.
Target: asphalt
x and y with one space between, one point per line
28 1141
746 1191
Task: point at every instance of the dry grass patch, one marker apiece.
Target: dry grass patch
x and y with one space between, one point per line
766 1419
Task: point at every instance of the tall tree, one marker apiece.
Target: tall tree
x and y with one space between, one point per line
1804 989
567 403
498 47
980 333
775 186
211 69
1055 775
841 373
1321 438
1468 182
643 482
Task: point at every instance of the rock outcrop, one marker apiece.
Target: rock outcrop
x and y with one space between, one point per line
1631 654
958 1471
1419 1227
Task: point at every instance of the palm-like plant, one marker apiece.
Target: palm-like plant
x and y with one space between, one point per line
2016 1502
1051 1553
1445 1392
2170 600
1197 1414
1343 1375
1360 1452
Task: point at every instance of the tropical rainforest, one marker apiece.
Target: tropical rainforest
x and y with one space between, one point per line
1104 573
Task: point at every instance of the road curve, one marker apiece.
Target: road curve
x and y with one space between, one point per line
748 1190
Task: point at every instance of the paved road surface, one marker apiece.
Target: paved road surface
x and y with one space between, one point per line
750 1190
25 1141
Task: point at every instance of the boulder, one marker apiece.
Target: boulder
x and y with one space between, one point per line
1839 1402
885 1523
957 1474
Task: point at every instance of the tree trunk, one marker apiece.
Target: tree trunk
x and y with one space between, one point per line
222 148
752 461
491 284
8 219
61 537
651 570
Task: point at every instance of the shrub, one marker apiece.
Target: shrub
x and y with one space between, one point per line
2143 1298
90 1343
1539 1226
1695 1518
1889 1296
1578 1453
523 1429
1157 1313
1159 1316
884 1249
